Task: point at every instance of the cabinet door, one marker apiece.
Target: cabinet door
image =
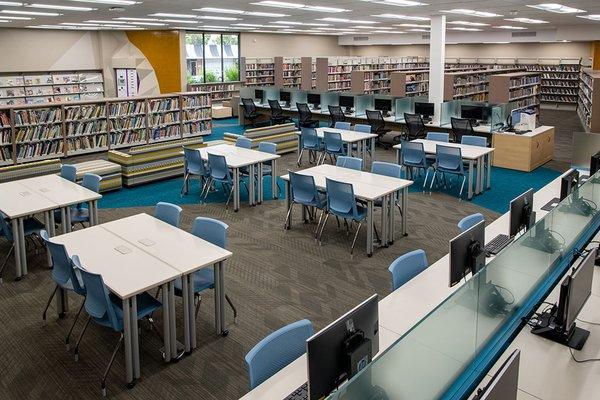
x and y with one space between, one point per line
548 146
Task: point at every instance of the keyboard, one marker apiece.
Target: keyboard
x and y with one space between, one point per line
299 394
497 244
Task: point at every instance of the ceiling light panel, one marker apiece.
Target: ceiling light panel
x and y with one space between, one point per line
298 23
473 13
462 28
413 25
399 3
298 6
109 2
527 20
556 8
171 15
218 18
36 13
354 21
17 18
401 16
467 23
592 17
511 27
54 7
10 3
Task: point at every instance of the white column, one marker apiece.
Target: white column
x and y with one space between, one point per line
437 56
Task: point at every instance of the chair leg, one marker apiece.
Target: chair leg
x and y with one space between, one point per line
48 304
355 237
110 363
232 308
299 162
185 181
319 224
210 182
426 176
12 247
462 186
433 180
76 351
286 225
229 197
323 226
198 306
73 324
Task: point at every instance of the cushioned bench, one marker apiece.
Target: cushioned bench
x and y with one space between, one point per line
148 163
109 171
221 111
284 135
29 170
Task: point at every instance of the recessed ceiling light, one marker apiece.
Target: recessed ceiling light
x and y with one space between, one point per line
413 25
527 20
399 3
354 21
379 31
462 28
593 17
265 14
171 15
418 30
137 19
179 21
66 8
254 25
510 27
556 8
15 17
218 18
334 29
401 16
298 23
10 3
284 4
467 23
473 13
219 10
111 2
37 13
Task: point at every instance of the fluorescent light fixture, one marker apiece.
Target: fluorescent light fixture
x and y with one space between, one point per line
66 8
219 10
253 25
511 27
215 27
79 24
5 20
36 13
137 19
362 27
10 3
527 20
592 17
462 28
297 6
354 21
101 21
325 9
16 18
336 29
401 16
556 8
149 23
179 21
400 3
218 18
265 14
418 30
171 15
298 23
379 31
413 25
109 2
467 23
473 13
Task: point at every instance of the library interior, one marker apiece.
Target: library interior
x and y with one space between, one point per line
300 199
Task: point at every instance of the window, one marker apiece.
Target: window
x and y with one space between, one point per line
212 57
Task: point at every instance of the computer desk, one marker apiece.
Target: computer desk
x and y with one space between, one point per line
407 305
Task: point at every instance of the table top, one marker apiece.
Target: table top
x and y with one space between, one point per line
467 151
237 157
17 200
62 191
348 136
367 186
537 131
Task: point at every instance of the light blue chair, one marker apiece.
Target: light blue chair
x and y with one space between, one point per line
391 170
470 221
193 165
407 266
68 172
333 146
349 162
448 160
64 276
438 136
342 203
413 156
79 214
362 128
309 140
169 213
479 141
219 172
243 142
32 228
304 192
342 125
106 309
277 350
271 148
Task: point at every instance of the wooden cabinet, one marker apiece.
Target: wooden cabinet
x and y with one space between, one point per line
523 152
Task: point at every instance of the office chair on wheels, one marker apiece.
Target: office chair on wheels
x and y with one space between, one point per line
461 127
250 112
305 116
277 116
375 119
415 127
336 114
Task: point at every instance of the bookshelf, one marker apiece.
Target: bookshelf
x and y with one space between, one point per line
219 91
521 88
373 76
6 138
127 123
85 126
589 100
195 115
50 87
163 118
409 83
559 83
293 72
334 74
257 71
37 132
471 85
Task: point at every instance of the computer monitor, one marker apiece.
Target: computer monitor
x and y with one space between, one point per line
474 113
384 105
521 213
347 102
424 109
314 99
466 253
337 352
285 96
259 94
568 183
504 385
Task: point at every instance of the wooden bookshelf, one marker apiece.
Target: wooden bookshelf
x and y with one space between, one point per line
257 71
293 72
520 88
560 82
409 83
471 85
219 91
85 126
589 100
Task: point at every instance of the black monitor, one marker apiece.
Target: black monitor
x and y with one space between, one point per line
521 213
424 109
466 253
568 183
343 348
346 101
259 94
314 99
504 385
285 96
474 113
384 105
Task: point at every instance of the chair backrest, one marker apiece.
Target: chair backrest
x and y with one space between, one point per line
470 221
212 230
340 197
5 228
342 125
386 169
333 141
277 350
438 136
243 142
364 128
413 154
193 160
350 162
304 189
407 266
97 302
336 114
415 126
168 212
309 137
62 267
91 182
461 127
276 110
249 107
218 167
267 147
471 140
375 119
304 113
68 172
449 158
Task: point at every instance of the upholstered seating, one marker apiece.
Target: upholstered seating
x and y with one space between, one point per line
285 136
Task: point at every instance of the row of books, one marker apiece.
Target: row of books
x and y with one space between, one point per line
413 89
164 132
87 143
524 80
5 137
561 91
86 128
195 101
465 91
126 108
5 154
560 77
549 98
163 119
127 138
137 123
85 112
197 128
259 74
4 119
55 78
260 66
40 149
197 114
37 116
262 81
566 84
554 68
38 133
526 91
162 105
531 103
341 86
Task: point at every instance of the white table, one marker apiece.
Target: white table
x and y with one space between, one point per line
476 157
367 187
363 141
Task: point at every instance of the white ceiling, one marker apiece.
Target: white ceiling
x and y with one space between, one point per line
358 10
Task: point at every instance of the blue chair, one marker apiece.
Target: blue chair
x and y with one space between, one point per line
215 232
333 146
243 142
479 141
349 162
342 203
32 228
277 350
64 276
304 192
68 172
342 125
407 266
391 170
413 156
169 213
362 128
448 160
219 172
438 136
470 221
271 148
106 309
193 165
309 140
79 214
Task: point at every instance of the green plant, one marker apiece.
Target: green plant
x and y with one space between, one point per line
232 74
210 76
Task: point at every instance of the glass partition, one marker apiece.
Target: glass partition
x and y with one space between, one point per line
329 99
499 116
403 105
271 93
362 103
470 325
248 92
450 109
298 96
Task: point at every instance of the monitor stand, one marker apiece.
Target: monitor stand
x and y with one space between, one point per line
574 338
474 123
348 110
543 240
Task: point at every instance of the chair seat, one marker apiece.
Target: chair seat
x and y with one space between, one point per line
69 284
80 215
360 211
146 305
194 170
203 279
32 225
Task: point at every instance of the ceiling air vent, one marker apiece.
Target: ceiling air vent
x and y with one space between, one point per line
360 38
426 36
523 34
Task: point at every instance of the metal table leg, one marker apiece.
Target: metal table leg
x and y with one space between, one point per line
63 219
219 299
236 189
398 157
135 345
166 321
274 194
129 374
489 170
479 176
47 225
260 182
251 187
391 215
384 221
404 210
288 196
17 250
23 243
370 228
172 319
186 312
470 182
191 316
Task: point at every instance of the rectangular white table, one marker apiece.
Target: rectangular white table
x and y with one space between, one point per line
476 157
363 141
367 187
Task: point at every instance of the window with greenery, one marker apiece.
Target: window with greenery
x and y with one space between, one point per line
212 57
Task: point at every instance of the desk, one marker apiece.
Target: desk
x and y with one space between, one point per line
524 152
367 187
363 141
476 157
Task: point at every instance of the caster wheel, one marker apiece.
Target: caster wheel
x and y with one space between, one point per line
130 385
17 279
225 333
391 243
103 392
76 357
369 255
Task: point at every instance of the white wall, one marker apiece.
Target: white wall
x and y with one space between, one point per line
285 45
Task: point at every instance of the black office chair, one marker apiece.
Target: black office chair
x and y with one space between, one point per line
375 119
415 126
277 116
305 116
336 114
460 128
250 112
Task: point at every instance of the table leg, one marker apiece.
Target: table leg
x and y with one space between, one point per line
479 177
191 311
274 187
398 157
260 183
47 225
404 210
370 228
236 189
391 215
384 221
17 247
489 170
219 299
21 233
129 375
251 187
186 313
470 188
288 196
135 345
173 320
222 296
166 321
63 219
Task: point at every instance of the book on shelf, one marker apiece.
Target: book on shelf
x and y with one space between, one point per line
4 119
124 109
37 116
170 131
163 105
39 149
195 101
128 138
87 143
196 128
38 133
89 111
6 154
85 128
5 137
131 123
196 115
169 118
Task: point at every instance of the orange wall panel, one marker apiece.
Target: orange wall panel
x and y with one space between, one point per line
162 50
